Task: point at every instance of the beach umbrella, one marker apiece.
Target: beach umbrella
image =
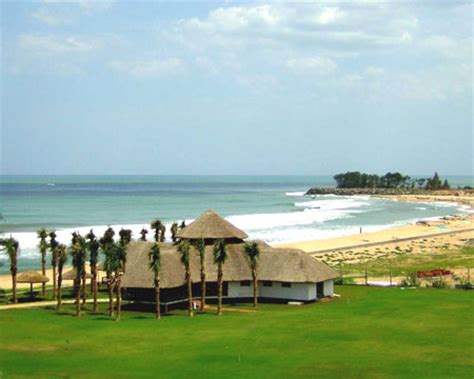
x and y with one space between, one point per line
71 275
31 277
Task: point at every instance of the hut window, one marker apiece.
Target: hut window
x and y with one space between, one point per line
286 284
267 283
245 283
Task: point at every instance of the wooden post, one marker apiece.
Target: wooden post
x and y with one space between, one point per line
469 275
342 279
390 277
366 277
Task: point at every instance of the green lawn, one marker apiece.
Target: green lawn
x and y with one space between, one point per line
367 333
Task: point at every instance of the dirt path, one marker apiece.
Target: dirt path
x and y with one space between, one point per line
41 304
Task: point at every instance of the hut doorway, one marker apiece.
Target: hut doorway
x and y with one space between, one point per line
320 290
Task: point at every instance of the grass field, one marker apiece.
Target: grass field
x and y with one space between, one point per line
367 333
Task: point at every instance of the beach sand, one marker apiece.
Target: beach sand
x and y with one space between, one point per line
6 280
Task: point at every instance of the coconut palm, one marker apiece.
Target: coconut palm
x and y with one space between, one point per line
252 253
114 262
11 248
201 250
53 245
156 226
93 247
143 234
78 239
79 256
62 258
183 249
155 266
106 242
125 236
220 256
162 232
43 248
174 231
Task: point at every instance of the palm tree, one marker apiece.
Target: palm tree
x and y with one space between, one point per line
252 253
155 266
201 249
162 232
53 245
143 233
77 238
105 243
156 226
174 231
125 236
78 253
220 256
62 258
11 248
114 263
43 247
183 249
93 247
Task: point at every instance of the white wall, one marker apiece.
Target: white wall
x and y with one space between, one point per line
328 288
297 291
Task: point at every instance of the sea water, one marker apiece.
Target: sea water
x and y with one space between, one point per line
271 208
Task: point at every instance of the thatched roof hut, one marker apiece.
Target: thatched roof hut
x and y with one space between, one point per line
211 226
71 275
283 265
31 277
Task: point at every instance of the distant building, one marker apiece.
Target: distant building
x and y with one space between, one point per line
283 274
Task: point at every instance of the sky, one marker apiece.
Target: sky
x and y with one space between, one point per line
236 88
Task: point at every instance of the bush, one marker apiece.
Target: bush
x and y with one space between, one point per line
440 283
340 281
410 281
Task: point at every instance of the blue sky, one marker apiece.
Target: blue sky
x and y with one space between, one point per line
236 88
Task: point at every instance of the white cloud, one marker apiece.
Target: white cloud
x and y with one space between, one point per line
318 65
46 16
49 44
149 68
55 12
448 47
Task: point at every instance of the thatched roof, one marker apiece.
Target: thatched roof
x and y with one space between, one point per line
211 226
71 275
31 277
285 265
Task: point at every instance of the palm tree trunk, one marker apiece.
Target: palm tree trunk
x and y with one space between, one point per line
54 282
60 282
254 278
119 297
43 271
14 298
77 285
94 286
110 288
203 289
83 287
157 297
190 293
219 289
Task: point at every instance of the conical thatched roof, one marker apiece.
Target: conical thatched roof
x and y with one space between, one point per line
211 226
71 275
31 277
285 265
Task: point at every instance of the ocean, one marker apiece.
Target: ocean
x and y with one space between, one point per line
271 208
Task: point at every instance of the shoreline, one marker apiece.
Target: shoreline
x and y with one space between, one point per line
400 234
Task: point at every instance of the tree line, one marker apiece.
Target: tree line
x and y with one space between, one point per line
356 179
88 247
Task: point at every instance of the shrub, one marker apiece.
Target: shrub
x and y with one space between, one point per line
410 281
440 283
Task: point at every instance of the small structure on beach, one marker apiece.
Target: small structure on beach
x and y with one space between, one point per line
31 277
283 274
